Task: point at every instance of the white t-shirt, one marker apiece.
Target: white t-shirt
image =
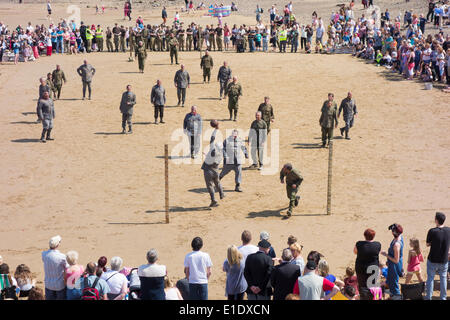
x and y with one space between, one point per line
171 294
247 250
197 262
115 280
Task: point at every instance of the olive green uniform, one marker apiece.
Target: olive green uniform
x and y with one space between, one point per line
109 44
141 54
234 91
99 38
181 39
144 35
58 78
328 120
212 40
266 114
206 64
52 91
293 177
189 39
173 46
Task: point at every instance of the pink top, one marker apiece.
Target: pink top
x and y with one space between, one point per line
73 273
414 263
376 292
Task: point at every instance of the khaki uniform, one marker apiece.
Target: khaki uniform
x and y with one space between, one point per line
141 54
181 39
266 114
122 40
99 38
189 39
234 91
109 44
206 64
173 46
58 79
328 120
293 177
116 33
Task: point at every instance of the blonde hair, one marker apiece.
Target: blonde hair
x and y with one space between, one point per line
296 247
72 257
167 282
324 268
415 243
233 255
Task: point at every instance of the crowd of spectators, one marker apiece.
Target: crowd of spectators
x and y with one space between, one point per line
251 271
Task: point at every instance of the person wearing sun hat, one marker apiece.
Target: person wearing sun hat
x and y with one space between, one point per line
264 235
55 265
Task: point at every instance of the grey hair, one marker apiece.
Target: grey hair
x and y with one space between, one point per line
152 256
116 263
264 235
258 112
286 255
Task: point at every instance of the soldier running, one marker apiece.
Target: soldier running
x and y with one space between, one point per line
293 181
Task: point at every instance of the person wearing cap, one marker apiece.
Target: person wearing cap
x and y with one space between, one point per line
311 286
438 239
284 276
293 181
55 265
395 261
264 235
257 273
233 159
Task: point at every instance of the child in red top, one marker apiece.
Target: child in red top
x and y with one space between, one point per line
351 279
414 259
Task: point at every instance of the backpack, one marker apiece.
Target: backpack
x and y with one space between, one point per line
90 293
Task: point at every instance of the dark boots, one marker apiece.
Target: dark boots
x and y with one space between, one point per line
44 131
48 134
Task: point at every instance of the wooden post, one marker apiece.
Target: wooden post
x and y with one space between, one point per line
330 175
166 176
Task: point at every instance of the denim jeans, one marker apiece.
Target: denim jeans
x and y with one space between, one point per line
251 45
198 291
55 295
73 294
60 46
441 269
265 45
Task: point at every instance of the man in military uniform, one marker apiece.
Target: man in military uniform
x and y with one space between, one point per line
86 72
181 33
182 81
152 35
256 139
173 45
210 167
328 120
234 91
109 44
126 108
123 32
189 38
267 112
206 64
158 99
348 105
89 37
223 77
192 126
43 87
99 38
293 181
132 43
212 38
50 84
145 33
46 112
141 54
159 39
116 34
58 78
232 147
331 99
219 33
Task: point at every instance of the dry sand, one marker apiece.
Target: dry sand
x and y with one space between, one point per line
104 192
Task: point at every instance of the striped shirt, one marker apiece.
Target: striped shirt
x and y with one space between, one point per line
54 266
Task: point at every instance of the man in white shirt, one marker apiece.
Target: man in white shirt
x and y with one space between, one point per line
247 248
54 269
197 267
